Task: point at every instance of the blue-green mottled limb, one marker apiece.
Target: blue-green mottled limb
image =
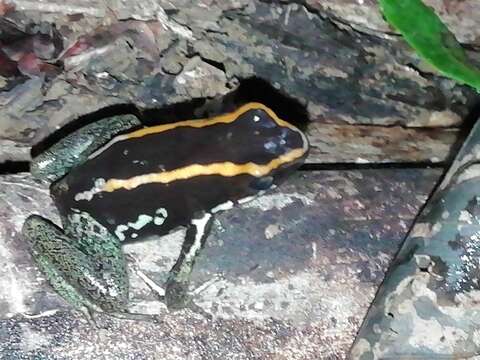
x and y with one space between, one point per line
429 304
75 148
82 274
176 289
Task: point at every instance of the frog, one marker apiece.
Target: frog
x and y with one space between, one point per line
116 181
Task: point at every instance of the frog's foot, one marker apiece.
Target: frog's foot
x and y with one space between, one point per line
85 281
75 148
177 297
176 290
178 294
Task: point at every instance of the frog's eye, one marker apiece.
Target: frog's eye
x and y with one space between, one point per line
261 119
262 183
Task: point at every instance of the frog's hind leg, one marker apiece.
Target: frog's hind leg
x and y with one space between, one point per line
75 148
177 284
87 274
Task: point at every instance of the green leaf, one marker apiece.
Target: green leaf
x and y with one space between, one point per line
432 40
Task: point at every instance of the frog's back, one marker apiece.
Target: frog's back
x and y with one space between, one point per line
155 179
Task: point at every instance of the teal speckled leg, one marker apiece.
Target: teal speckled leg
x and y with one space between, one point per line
75 148
84 263
177 284
86 270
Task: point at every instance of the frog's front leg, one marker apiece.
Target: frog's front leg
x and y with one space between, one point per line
75 148
88 270
177 284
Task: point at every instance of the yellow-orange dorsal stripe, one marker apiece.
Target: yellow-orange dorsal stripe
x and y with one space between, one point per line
225 118
227 169
200 123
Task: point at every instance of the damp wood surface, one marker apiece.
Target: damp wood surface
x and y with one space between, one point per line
287 276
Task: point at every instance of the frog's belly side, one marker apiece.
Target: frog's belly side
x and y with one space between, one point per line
156 209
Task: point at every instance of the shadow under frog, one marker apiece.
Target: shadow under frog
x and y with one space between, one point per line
112 188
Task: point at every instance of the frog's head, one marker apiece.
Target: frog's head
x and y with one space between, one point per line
274 147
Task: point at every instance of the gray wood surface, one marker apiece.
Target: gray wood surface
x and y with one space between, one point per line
379 144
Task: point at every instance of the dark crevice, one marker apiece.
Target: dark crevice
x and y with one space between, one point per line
216 64
256 89
216 31
250 90
370 32
14 167
434 99
424 74
185 110
129 44
171 12
470 47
